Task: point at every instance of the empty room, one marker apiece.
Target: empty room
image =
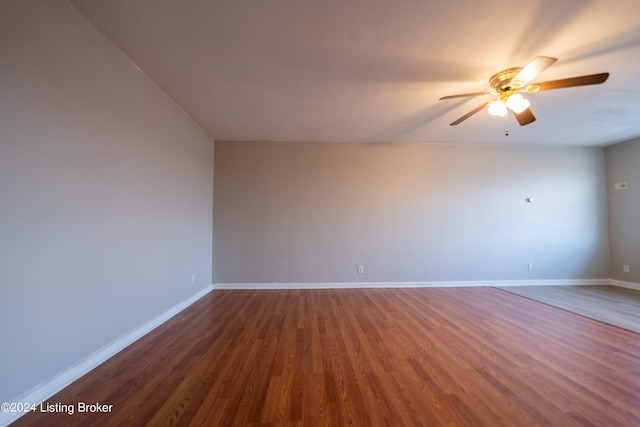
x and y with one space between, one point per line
319 213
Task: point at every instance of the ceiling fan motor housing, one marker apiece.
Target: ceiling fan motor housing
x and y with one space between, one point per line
501 82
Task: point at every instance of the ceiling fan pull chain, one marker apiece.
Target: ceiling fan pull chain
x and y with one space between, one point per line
506 125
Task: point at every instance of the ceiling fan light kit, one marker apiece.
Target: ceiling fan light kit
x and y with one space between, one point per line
497 108
509 84
517 103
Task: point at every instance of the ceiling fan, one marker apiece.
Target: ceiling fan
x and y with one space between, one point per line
509 85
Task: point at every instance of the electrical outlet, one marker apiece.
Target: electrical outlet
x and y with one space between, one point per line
530 266
193 279
625 268
361 269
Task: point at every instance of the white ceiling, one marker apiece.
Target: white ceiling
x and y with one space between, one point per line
373 70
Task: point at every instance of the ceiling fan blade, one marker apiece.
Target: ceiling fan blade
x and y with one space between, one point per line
469 114
592 79
531 70
465 95
525 117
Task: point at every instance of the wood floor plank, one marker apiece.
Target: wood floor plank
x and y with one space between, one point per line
374 357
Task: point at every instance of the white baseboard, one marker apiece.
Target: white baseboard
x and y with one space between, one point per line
47 389
622 284
438 284
346 285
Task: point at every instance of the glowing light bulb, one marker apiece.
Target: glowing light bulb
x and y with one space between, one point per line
517 103
497 108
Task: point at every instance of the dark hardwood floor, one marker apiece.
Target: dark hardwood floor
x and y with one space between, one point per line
367 357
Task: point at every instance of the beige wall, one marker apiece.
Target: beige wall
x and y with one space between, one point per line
297 212
105 195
